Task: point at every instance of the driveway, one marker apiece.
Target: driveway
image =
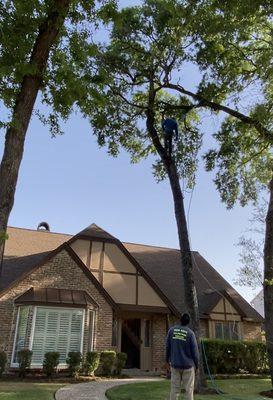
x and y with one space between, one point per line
95 390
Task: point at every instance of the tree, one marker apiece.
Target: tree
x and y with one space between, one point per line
231 43
236 51
39 53
251 250
147 45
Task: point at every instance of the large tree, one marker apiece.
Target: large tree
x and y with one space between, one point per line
147 45
236 54
45 46
231 43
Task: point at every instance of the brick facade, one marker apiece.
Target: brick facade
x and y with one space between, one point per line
252 331
60 272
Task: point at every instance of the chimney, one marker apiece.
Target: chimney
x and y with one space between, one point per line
43 226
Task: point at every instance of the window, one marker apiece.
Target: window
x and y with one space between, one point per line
228 330
21 331
147 333
91 330
56 329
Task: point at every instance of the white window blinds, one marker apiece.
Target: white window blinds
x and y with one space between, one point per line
56 329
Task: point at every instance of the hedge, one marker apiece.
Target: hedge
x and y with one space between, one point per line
51 362
107 359
232 356
120 362
3 362
73 361
92 361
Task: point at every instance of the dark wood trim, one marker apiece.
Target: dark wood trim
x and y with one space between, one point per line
225 310
222 313
88 262
101 264
114 272
136 289
148 309
89 274
135 263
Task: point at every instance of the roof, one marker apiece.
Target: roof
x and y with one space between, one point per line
94 231
56 296
25 248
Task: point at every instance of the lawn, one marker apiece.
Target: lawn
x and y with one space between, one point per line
28 390
235 389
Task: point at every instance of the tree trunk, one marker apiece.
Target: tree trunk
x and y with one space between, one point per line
23 108
190 296
268 280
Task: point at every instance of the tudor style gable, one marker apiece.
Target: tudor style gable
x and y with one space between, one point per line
116 270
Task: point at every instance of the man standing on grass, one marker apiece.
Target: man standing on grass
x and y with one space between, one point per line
182 356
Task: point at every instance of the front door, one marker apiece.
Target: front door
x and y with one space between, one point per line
146 345
131 341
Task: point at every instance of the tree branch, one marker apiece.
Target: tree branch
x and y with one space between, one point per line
265 133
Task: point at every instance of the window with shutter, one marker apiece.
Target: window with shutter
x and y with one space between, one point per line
56 329
21 330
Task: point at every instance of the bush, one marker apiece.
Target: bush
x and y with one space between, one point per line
3 362
107 359
92 362
74 360
232 356
51 362
120 362
24 361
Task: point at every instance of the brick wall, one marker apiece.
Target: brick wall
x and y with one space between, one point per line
252 331
158 342
63 273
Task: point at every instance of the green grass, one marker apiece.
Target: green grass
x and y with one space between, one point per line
28 390
237 389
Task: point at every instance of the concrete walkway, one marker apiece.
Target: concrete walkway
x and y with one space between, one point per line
95 390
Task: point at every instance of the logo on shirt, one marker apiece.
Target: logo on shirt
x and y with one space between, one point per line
179 334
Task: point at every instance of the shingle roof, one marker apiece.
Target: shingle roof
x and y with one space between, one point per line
26 248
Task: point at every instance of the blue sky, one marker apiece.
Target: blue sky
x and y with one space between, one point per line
69 182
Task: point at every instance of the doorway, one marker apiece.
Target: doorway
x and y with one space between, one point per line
131 341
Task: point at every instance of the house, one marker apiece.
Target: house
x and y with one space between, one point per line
258 303
93 292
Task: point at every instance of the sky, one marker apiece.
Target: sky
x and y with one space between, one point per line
70 183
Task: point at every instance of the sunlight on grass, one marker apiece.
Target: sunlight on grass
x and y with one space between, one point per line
234 389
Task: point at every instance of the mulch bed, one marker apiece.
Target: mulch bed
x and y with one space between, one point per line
268 393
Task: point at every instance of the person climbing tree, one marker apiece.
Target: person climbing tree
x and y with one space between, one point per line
170 127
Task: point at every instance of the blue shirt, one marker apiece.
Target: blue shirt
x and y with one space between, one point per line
181 348
169 125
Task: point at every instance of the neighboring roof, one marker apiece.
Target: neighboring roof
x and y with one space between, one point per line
56 296
162 265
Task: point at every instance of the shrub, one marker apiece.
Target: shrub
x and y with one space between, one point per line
92 362
24 361
74 360
51 362
3 362
107 361
231 357
120 362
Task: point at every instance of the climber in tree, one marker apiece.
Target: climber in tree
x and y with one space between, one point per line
170 127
